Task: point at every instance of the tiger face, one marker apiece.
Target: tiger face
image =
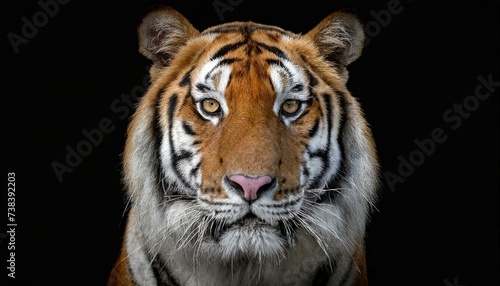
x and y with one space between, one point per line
248 140
247 145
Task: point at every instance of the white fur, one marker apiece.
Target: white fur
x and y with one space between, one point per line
203 241
218 91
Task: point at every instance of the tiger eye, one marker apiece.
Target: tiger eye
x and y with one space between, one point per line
290 106
210 105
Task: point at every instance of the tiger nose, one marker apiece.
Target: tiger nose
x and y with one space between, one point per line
251 186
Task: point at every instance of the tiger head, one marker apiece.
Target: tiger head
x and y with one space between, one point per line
247 143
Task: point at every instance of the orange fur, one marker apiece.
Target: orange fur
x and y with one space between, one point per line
250 140
120 274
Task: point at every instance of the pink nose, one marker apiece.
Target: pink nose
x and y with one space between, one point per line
250 185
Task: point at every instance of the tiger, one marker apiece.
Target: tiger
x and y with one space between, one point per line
247 161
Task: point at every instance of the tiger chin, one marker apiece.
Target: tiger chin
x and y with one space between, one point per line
247 161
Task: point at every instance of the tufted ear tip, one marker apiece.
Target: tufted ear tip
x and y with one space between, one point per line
339 37
162 31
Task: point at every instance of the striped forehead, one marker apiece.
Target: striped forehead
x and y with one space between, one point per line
215 73
213 76
211 82
285 74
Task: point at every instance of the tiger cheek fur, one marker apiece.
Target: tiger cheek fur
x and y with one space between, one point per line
247 162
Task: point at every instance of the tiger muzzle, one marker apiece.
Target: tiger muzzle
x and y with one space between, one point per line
251 188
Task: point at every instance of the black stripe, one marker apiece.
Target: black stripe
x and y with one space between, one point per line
324 154
279 53
186 82
343 169
281 65
187 128
186 79
165 188
271 83
172 105
320 153
314 129
298 87
227 48
157 139
157 272
161 272
313 81
272 37
246 31
195 170
183 155
274 62
322 275
203 87
343 120
221 63
228 61
305 170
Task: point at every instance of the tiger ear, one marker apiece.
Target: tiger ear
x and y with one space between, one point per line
162 32
339 37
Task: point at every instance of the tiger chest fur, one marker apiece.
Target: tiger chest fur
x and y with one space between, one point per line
247 162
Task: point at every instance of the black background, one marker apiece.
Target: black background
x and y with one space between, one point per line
438 227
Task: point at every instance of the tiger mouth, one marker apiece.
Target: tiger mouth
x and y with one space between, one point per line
252 223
